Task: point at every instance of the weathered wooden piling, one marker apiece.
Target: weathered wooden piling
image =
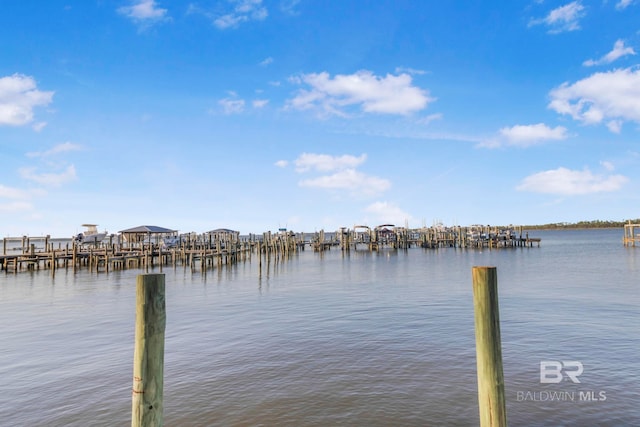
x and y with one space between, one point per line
53 263
491 398
148 356
631 234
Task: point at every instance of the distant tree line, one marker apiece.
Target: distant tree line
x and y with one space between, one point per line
583 224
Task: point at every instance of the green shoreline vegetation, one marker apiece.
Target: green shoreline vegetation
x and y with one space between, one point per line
582 224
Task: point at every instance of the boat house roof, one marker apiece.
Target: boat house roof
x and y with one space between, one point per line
223 230
151 229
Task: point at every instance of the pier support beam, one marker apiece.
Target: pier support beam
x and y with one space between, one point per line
148 357
491 398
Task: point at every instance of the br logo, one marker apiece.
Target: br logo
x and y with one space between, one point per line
553 371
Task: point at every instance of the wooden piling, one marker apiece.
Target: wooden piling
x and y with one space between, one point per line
631 234
491 398
53 263
148 356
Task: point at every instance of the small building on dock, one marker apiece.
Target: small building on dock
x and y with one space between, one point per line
147 234
223 235
385 233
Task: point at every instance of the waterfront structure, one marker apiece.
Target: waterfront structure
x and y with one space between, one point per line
631 234
147 246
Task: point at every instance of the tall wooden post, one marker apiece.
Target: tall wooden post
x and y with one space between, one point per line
148 356
53 262
491 399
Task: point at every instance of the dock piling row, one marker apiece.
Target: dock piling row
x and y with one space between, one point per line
201 252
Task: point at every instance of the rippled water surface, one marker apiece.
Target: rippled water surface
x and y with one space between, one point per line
362 339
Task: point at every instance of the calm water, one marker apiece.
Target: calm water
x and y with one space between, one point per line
382 339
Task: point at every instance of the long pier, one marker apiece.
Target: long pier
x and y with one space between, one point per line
201 252
362 237
114 256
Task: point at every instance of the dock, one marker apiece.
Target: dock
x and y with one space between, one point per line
631 234
200 252
388 236
194 254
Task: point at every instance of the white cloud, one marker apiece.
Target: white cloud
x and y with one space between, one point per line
351 180
607 166
385 212
229 21
18 199
60 148
373 94
49 179
408 70
289 6
612 95
568 182
259 103
344 177
563 18
619 50
623 4
527 135
243 11
18 97
144 12
13 193
232 106
266 61
282 163
615 126
325 163
15 206
39 126
430 118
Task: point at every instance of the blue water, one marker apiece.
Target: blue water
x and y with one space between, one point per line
362 339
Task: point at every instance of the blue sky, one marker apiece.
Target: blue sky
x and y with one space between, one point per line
258 114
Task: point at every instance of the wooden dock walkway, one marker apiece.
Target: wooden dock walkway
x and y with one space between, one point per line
391 237
202 252
113 256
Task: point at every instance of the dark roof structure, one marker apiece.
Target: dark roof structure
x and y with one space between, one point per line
223 230
151 229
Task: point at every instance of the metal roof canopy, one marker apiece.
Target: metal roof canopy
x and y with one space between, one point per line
152 229
223 230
